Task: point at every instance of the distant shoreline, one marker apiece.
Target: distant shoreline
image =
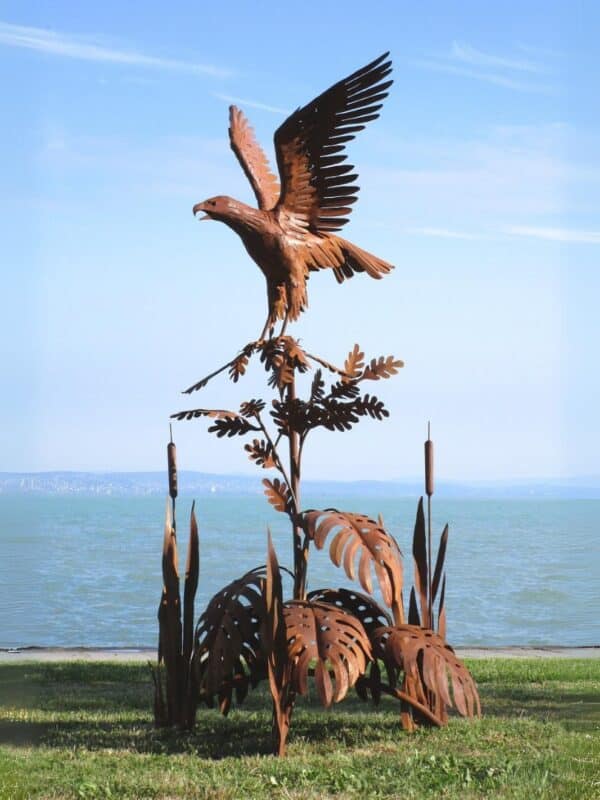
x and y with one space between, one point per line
202 484
118 654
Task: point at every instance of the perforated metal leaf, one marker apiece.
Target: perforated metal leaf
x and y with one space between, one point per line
333 638
427 664
370 614
229 649
356 537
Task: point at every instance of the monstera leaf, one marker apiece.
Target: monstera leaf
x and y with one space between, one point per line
357 537
372 616
332 637
426 662
229 651
369 613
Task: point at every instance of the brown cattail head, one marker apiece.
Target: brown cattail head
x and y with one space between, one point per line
428 465
172 465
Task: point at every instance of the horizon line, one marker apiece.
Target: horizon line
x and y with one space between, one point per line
250 476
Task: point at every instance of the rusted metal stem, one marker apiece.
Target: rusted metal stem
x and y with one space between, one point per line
328 365
400 695
429 492
172 468
306 538
251 347
278 461
300 546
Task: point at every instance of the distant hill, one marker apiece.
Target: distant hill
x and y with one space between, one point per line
202 483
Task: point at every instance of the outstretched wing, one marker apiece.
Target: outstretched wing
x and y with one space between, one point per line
317 189
252 159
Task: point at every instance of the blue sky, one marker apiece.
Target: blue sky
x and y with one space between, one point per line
480 182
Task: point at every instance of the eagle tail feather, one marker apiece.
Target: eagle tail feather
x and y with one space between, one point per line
358 260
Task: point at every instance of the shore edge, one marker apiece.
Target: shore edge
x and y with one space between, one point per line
122 654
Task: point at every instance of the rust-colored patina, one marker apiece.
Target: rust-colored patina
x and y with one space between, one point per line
292 232
248 633
338 637
175 704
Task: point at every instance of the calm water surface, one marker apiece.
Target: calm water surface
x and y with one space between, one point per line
86 571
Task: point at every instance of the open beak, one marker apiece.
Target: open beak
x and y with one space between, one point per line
200 207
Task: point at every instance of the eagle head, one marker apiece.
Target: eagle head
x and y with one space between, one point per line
221 208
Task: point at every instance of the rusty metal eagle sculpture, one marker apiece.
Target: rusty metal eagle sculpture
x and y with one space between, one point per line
292 232
339 637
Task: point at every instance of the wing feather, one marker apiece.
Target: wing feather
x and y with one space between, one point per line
252 160
317 188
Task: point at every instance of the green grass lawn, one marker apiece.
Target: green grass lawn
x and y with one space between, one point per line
84 730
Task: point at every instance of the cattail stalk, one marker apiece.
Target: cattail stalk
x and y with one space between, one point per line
172 468
429 486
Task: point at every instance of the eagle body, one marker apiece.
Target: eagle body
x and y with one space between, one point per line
293 230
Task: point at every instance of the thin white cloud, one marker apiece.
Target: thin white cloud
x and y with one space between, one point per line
469 55
535 175
443 233
510 72
554 234
498 79
86 49
250 103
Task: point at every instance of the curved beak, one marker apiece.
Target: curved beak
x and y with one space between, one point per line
200 207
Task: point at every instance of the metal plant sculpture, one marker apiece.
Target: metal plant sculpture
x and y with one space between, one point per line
291 233
176 705
338 637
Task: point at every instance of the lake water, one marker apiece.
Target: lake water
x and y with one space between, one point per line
86 570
